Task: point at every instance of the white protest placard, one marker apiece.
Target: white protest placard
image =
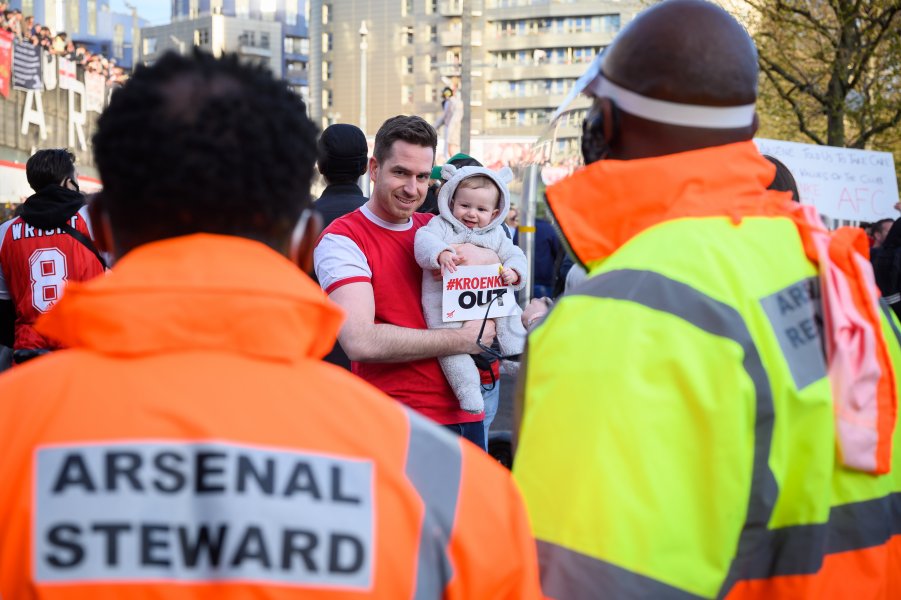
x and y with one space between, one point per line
67 76
469 290
95 88
842 183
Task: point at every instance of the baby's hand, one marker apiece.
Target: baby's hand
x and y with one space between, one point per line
448 262
509 276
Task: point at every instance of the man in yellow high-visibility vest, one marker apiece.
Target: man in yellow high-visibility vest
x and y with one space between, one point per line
712 413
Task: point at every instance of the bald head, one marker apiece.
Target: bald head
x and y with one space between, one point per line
686 51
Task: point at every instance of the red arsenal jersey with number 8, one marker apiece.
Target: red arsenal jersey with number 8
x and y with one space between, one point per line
35 266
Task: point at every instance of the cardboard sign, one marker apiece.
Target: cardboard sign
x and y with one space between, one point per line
469 290
842 183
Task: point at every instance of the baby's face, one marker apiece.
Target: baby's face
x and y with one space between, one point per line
475 207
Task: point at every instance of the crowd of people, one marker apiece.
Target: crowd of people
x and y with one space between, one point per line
710 413
60 44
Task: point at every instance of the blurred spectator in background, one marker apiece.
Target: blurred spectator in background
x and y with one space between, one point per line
547 259
452 120
878 232
342 157
784 180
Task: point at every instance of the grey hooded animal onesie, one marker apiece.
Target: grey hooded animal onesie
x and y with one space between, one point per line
436 237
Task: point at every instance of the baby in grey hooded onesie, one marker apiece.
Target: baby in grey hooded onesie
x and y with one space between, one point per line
470 213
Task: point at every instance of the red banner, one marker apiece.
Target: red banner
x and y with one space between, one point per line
6 60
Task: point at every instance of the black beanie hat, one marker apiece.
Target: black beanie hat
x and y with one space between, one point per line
342 151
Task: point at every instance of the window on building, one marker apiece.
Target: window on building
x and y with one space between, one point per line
407 7
202 37
406 94
608 23
326 11
583 55
247 38
149 46
264 40
242 8
27 8
326 70
295 45
291 12
215 7
433 33
431 6
408 64
73 23
326 98
118 40
193 9
409 36
92 17
304 45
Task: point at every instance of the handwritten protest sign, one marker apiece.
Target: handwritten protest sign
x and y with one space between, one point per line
842 183
469 290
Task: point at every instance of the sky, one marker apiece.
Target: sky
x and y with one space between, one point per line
155 11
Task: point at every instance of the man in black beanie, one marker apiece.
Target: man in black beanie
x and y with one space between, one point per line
342 160
342 152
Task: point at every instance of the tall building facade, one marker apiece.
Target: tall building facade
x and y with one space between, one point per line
90 23
523 56
269 32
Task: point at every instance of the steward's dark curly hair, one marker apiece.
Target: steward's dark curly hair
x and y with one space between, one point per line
199 144
410 129
49 167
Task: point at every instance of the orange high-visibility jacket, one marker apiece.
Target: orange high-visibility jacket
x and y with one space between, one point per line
191 444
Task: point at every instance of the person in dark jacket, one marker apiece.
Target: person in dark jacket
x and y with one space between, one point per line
342 161
887 267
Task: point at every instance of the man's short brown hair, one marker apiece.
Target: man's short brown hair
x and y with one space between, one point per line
410 129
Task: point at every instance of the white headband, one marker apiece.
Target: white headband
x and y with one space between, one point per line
673 113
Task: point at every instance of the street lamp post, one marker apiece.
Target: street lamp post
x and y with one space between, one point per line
363 47
466 75
135 36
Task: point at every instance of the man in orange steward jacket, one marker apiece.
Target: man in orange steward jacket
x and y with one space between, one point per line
191 443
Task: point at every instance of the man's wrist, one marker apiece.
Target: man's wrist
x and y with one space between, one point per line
534 320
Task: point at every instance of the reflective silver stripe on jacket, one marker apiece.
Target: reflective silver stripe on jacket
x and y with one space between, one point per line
762 552
433 467
658 292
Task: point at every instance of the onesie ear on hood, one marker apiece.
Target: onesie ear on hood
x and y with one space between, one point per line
505 175
448 171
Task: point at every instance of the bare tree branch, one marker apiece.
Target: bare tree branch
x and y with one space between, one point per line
867 135
768 66
813 21
796 108
869 49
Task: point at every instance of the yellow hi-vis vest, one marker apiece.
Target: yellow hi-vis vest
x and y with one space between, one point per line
678 438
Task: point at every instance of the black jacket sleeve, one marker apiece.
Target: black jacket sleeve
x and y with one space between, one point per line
7 322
